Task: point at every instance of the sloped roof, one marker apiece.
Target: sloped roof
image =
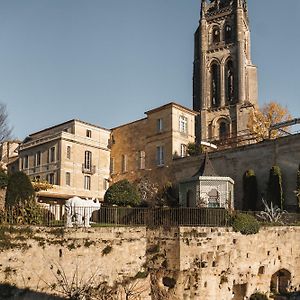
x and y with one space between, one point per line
206 168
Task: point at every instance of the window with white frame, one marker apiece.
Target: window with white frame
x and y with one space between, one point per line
51 155
105 184
37 159
68 152
68 178
142 159
51 178
183 150
26 162
124 163
87 182
160 155
159 125
88 160
183 124
112 165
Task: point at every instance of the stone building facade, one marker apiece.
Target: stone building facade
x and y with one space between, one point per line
152 143
224 80
73 156
8 153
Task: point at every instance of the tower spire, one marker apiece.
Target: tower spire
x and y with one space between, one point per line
224 79
203 8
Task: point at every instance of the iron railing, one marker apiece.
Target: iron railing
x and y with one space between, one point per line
55 215
117 216
154 217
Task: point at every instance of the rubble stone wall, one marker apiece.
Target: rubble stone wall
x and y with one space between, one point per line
164 263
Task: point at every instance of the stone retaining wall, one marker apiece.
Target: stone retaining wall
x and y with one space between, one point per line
166 263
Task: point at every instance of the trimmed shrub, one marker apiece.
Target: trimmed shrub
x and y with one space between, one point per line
250 190
258 296
275 193
19 189
122 193
245 224
194 149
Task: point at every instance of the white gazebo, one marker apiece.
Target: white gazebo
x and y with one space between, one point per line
207 189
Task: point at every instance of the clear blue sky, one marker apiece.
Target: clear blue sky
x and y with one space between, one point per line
108 61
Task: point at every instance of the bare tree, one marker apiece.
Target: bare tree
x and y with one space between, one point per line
5 129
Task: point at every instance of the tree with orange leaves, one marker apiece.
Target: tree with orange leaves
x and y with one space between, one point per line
260 121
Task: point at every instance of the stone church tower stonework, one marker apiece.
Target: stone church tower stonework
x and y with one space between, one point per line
224 79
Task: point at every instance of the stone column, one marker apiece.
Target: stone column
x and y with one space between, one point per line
240 56
204 47
222 85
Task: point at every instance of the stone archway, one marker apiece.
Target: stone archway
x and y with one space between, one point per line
221 128
280 281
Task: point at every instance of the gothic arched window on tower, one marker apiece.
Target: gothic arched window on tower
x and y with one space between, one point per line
223 130
229 82
215 85
216 34
228 33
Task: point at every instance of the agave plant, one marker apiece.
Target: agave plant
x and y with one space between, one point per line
297 193
271 213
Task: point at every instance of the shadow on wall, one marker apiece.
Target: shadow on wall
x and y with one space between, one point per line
10 292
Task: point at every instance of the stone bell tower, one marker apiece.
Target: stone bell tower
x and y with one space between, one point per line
224 79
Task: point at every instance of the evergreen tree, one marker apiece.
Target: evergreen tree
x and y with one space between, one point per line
19 189
275 193
298 186
250 190
3 179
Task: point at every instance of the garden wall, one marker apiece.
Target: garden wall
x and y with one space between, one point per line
284 152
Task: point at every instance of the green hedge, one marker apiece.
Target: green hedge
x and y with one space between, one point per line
245 224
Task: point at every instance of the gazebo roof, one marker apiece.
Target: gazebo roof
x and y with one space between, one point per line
206 168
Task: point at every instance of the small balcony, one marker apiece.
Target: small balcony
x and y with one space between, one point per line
88 169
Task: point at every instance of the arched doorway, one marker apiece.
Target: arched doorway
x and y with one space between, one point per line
280 281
